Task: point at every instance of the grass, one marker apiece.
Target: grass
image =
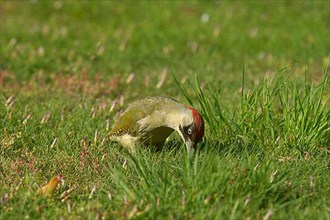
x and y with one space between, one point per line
257 71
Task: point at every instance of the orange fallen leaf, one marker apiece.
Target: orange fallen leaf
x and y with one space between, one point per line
49 188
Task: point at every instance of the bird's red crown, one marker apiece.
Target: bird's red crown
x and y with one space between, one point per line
199 124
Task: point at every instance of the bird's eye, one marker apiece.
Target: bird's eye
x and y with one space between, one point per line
189 131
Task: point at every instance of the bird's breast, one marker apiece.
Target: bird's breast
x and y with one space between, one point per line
156 135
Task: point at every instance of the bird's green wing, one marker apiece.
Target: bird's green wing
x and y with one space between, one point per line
127 122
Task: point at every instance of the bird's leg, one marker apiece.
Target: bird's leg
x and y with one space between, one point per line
159 146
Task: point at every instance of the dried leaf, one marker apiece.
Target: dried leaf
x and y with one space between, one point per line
49 188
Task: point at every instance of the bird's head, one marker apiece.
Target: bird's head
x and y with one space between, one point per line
192 129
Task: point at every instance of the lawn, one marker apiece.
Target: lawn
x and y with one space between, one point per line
258 71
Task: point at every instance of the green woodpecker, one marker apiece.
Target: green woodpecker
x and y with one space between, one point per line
151 120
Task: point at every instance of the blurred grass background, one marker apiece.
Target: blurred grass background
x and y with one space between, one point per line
215 38
67 67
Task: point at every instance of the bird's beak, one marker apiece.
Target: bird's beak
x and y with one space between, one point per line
191 147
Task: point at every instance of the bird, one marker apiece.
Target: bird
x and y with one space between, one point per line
150 121
49 188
